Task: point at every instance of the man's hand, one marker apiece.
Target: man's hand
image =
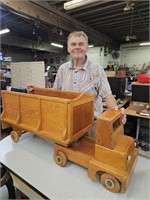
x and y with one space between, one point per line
124 116
30 87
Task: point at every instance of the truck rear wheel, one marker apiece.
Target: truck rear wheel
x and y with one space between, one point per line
14 136
110 183
60 158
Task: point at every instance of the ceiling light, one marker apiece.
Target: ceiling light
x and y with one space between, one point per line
60 32
33 32
57 45
91 46
77 3
6 30
129 5
145 43
127 8
127 38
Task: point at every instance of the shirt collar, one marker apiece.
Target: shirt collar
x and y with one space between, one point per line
84 67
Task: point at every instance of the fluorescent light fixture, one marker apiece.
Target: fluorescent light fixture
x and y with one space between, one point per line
91 45
129 5
144 43
77 3
57 45
127 8
6 30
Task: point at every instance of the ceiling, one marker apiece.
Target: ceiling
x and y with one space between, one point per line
35 24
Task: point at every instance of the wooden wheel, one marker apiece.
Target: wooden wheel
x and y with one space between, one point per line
19 133
14 136
60 158
110 182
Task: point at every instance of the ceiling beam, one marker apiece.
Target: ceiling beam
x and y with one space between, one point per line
98 9
29 44
96 4
37 10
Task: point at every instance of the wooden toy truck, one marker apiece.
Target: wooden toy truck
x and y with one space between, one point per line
65 117
51 114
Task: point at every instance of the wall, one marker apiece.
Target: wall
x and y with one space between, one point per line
52 59
97 54
135 55
129 55
28 55
18 55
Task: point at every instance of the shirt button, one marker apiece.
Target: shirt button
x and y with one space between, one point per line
75 71
74 82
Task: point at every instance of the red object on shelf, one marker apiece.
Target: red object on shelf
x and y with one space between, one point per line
121 73
143 78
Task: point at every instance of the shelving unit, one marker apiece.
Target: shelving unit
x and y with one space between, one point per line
141 133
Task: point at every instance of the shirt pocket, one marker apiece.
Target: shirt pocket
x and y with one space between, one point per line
89 83
88 86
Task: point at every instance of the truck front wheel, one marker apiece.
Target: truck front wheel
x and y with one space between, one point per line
60 158
110 183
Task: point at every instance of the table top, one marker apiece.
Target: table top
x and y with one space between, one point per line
32 160
135 114
141 84
124 101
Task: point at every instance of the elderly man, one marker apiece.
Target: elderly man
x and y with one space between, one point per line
82 75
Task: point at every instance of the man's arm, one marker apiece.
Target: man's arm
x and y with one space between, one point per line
111 103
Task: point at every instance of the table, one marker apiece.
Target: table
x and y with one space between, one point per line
135 114
31 161
125 101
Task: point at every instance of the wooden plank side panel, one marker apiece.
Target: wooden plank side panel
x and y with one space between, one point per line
54 118
119 132
82 116
70 120
109 128
56 93
110 157
104 133
10 106
30 112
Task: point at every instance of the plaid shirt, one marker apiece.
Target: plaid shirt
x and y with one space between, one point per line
90 78
5 178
